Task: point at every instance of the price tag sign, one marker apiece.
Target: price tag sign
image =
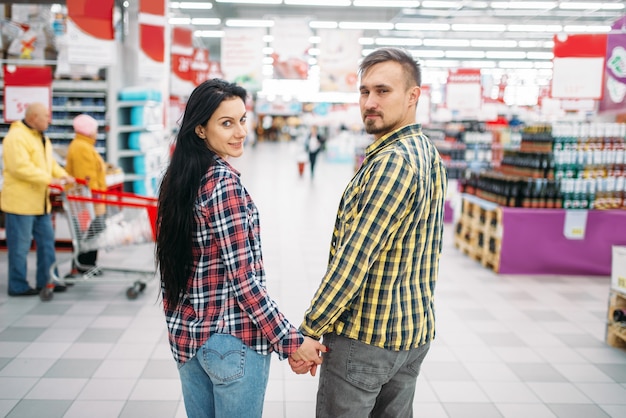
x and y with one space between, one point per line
23 86
16 98
575 224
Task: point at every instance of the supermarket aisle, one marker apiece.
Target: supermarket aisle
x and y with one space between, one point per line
507 346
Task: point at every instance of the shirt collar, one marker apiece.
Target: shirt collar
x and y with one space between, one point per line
390 138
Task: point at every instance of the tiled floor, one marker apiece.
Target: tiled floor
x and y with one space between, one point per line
507 346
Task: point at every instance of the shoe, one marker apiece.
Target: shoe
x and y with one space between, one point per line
58 288
29 292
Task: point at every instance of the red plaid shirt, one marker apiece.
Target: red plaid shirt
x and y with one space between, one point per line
226 293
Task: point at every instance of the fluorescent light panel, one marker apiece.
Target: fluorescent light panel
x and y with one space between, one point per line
251 1
528 5
441 4
243 23
535 28
366 25
332 3
573 5
422 26
212 21
388 3
321 24
191 5
478 27
398 41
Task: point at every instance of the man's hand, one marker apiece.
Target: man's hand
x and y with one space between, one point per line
307 357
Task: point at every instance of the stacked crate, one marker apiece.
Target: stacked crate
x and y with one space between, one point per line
616 327
616 331
478 232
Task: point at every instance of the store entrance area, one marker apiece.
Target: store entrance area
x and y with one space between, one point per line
512 346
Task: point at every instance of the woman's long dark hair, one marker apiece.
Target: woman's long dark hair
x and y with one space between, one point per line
189 162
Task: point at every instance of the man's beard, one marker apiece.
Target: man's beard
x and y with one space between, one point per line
371 128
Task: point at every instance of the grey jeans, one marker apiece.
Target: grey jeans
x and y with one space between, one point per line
358 380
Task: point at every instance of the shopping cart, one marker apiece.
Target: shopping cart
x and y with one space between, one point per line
128 219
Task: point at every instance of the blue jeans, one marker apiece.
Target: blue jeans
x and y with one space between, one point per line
20 230
225 379
358 380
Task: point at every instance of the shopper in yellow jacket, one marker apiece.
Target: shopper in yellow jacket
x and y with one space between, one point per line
29 168
84 162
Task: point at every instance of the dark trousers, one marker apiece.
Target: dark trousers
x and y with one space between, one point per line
312 160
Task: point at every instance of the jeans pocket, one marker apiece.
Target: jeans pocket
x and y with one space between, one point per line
366 369
223 357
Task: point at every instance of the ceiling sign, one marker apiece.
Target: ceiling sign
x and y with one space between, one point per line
578 66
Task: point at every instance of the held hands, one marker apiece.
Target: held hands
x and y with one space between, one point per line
307 357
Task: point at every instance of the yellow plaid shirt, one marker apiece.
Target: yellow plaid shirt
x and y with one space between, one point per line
384 255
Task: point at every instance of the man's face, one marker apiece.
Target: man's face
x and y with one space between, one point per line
386 102
41 119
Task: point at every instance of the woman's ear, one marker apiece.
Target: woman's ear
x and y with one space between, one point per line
200 131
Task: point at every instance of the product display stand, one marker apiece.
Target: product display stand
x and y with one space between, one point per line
532 241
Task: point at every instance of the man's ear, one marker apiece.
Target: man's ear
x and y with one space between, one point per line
415 94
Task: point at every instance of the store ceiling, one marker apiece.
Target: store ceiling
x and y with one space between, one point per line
531 25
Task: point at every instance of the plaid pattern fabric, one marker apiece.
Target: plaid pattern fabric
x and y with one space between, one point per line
227 293
386 244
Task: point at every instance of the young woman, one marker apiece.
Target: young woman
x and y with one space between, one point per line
222 323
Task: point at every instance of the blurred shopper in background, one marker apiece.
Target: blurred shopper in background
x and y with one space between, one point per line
29 168
85 162
313 144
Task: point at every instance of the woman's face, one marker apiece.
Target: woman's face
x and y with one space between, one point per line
226 131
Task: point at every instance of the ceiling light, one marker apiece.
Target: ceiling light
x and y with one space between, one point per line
515 64
251 1
191 5
465 54
478 27
586 28
366 25
542 5
589 5
441 4
315 39
267 50
441 63
209 33
206 21
249 23
399 41
336 3
179 21
426 53
536 44
506 55
478 64
447 42
487 43
314 51
476 5
535 28
423 26
320 24
539 55
388 3
268 38
366 41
